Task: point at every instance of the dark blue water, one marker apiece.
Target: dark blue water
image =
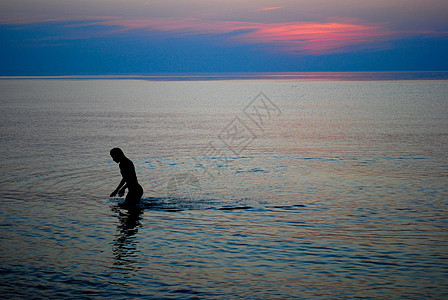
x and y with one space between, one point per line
316 190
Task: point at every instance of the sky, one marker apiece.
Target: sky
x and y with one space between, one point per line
94 37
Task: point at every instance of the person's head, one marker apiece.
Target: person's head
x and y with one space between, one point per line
117 154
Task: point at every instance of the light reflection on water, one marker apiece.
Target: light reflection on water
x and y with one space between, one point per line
342 196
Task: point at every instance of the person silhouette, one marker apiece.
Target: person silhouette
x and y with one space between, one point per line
129 180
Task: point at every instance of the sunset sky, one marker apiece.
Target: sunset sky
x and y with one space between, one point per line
54 37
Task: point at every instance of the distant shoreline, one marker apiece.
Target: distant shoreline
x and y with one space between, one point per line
294 76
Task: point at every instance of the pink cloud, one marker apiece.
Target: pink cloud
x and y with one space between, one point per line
315 37
270 8
304 37
308 37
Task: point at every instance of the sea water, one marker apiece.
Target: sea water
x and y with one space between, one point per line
257 189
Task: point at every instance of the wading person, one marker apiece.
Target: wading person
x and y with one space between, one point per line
129 180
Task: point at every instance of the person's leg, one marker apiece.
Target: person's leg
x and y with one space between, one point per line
133 197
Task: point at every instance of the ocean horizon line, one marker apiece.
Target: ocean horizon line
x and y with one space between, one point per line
295 76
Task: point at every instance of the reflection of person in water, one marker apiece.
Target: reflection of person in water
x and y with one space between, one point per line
125 246
129 180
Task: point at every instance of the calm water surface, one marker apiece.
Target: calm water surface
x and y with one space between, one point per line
312 190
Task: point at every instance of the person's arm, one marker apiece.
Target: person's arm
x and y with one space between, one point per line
120 190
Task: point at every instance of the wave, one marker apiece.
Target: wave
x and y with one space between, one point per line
174 204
